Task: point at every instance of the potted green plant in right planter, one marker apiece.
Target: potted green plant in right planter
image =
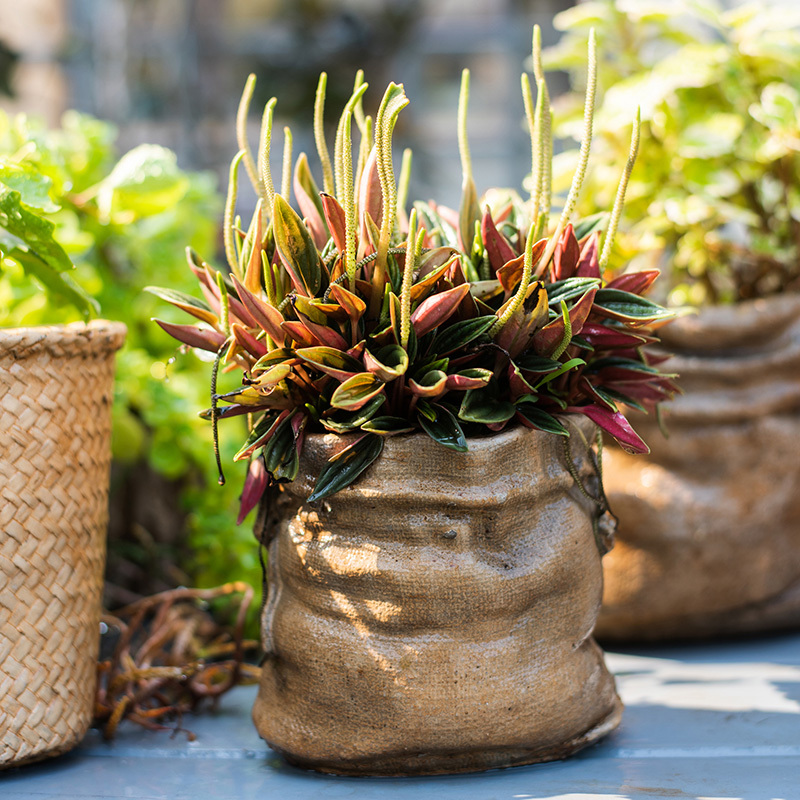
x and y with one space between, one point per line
709 535
422 389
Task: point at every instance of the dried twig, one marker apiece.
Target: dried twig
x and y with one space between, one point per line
170 656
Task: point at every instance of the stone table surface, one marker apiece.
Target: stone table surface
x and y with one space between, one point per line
702 721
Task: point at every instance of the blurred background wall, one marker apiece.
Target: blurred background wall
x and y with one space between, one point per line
172 72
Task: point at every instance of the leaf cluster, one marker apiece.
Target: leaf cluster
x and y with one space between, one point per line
715 199
355 317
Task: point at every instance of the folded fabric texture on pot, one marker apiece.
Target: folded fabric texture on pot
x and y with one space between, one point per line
436 616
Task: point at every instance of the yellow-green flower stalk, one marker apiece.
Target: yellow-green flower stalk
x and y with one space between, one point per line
241 131
619 200
319 134
230 210
583 158
267 187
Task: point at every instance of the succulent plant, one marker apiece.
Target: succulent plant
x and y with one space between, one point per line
357 318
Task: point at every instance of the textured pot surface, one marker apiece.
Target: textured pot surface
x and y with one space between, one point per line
55 424
709 522
437 615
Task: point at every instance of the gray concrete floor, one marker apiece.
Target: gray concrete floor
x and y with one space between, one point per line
709 721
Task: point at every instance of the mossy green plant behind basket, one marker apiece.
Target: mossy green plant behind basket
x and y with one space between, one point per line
715 201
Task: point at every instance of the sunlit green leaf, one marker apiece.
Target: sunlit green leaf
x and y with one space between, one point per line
444 429
346 466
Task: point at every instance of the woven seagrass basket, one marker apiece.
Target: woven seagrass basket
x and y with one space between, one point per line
55 424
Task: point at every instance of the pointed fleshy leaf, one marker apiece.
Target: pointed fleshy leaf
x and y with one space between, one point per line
484 291
307 194
356 391
529 362
300 334
548 340
331 361
335 217
297 251
569 289
234 410
588 264
484 405
245 395
615 424
431 385
271 376
255 483
388 363
201 338
387 426
567 366
630 308
473 378
185 302
324 334
247 341
510 273
423 287
252 276
437 309
634 282
346 466
351 303
267 318
278 356
566 255
499 251
460 334
605 336
262 431
211 292
601 397
340 421
533 417
444 428
306 306
331 311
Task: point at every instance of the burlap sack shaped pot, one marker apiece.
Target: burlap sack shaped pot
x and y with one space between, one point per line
436 616
55 424
709 522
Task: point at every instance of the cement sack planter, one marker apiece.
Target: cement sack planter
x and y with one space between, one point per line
55 424
709 522
437 615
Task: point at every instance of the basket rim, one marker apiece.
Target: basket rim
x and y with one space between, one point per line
75 338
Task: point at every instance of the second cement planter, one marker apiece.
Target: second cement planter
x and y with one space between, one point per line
709 522
437 615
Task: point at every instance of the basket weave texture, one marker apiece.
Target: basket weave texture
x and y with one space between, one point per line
55 421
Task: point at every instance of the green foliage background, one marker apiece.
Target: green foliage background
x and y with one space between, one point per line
125 222
714 198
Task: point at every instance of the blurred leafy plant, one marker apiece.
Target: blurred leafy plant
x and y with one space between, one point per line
357 318
92 229
715 199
